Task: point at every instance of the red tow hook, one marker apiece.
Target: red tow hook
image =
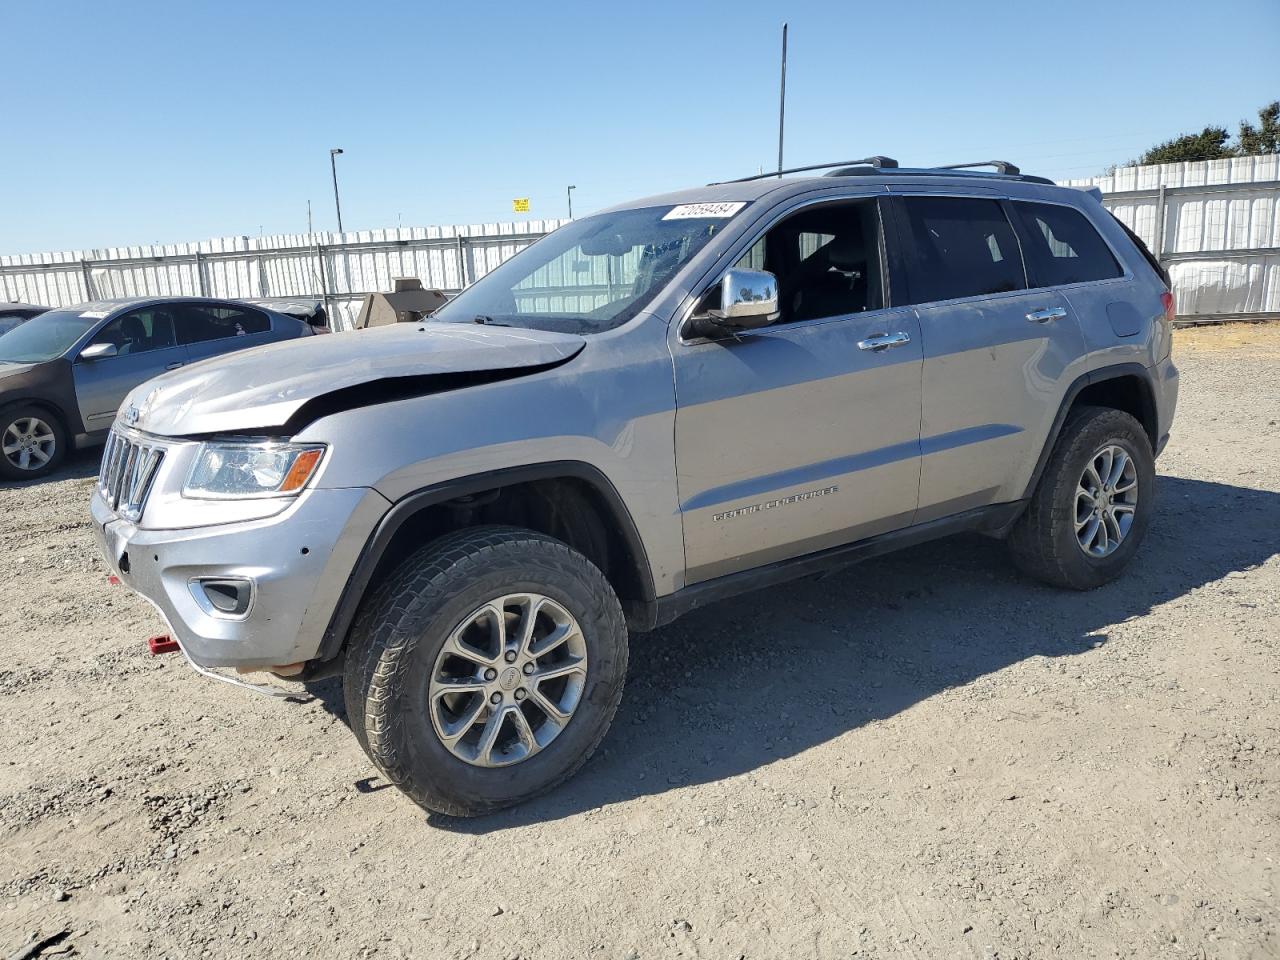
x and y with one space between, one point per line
162 643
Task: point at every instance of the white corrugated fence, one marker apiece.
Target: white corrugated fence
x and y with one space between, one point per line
337 268
1214 224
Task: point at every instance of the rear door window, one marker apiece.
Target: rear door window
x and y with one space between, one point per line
960 247
204 322
1062 245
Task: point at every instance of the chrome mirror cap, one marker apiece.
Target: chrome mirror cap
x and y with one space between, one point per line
98 351
748 299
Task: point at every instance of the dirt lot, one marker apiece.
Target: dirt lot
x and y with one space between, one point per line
924 756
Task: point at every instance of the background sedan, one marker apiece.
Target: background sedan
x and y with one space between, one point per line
64 373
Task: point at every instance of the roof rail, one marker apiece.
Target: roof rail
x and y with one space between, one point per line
1002 167
880 163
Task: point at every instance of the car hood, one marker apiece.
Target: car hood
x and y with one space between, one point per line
14 368
264 387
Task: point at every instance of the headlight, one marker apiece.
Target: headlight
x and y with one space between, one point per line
239 470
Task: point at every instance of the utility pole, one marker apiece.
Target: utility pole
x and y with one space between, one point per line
333 166
782 101
569 194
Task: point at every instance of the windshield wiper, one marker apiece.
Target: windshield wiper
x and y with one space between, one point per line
487 321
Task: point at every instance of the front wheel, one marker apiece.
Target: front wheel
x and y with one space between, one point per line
486 670
32 442
1092 507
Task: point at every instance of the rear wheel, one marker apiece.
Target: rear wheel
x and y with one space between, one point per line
486 670
32 442
1091 509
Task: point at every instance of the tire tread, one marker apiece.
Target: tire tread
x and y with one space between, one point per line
1042 540
387 629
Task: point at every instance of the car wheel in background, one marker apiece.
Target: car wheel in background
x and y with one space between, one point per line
32 442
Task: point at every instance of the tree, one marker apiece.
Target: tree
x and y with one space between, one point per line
1264 138
1209 144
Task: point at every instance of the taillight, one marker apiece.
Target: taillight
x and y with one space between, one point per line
1166 300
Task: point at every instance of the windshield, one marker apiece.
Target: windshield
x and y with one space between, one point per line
593 274
44 337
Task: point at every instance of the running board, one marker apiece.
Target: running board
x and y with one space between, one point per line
991 519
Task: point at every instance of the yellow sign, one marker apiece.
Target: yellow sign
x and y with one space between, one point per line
520 204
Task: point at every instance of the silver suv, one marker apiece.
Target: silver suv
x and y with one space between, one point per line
655 407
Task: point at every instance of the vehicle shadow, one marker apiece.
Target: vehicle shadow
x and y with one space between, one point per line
737 685
78 465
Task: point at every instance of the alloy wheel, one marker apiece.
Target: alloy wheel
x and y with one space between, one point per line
508 680
28 443
1106 501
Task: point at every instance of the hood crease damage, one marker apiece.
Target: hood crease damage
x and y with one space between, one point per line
280 388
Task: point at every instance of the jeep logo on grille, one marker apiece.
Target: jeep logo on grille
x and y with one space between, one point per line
131 415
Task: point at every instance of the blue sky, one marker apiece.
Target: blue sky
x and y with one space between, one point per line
131 122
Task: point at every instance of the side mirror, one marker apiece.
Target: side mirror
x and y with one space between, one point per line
98 351
748 301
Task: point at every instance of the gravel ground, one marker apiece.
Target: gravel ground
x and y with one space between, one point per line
923 756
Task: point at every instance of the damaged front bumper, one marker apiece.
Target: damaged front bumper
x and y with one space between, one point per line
284 573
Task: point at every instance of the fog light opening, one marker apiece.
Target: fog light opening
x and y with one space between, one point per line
225 596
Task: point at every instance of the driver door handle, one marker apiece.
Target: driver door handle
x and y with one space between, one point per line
1044 316
173 366
883 341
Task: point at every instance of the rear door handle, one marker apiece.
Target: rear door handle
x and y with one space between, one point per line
1044 316
173 366
883 341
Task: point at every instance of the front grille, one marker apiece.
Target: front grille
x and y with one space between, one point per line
128 468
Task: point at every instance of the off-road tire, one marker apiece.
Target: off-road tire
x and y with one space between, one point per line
20 411
401 628
1043 540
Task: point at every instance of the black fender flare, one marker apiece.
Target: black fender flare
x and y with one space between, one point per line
1101 375
357 585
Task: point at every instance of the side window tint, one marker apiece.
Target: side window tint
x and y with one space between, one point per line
962 247
201 323
139 331
826 259
753 259
1063 246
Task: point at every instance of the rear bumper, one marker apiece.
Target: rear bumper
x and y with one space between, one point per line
296 563
1165 376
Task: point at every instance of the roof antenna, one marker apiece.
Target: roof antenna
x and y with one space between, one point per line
782 100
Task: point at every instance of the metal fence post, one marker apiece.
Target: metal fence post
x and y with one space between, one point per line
88 280
324 285
1162 209
462 264
200 281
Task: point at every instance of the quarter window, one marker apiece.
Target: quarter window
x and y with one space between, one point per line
962 247
1062 246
